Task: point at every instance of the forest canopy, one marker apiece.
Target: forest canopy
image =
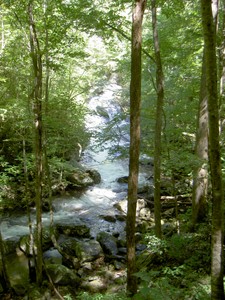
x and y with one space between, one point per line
56 56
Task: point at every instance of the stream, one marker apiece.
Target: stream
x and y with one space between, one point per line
97 200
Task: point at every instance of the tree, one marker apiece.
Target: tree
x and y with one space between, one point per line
200 182
158 124
38 128
209 31
135 101
5 282
200 176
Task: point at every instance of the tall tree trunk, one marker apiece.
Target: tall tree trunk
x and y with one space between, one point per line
37 110
2 30
31 259
200 185
217 288
135 102
222 69
5 282
158 124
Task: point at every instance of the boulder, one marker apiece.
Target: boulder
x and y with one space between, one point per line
61 275
24 243
10 245
123 179
108 243
102 112
87 251
144 213
36 293
122 206
83 251
95 175
80 179
74 229
52 256
109 218
121 217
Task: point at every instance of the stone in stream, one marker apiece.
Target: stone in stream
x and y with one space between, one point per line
74 229
108 243
61 275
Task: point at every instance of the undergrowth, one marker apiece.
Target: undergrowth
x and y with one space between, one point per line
172 268
177 267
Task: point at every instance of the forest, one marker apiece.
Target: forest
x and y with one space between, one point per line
111 149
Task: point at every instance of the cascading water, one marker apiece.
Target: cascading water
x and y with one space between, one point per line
95 202
88 207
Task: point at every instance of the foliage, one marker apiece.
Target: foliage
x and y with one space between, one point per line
107 296
176 267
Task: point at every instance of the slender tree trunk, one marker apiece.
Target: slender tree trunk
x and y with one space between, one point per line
135 102
5 282
31 257
200 185
222 69
2 30
158 124
217 288
37 110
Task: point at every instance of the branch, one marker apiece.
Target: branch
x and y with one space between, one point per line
121 32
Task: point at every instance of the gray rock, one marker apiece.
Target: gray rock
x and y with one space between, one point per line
95 175
10 245
83 251
108 243
123 179
24 243
74 229
52 256
87 251
101 111
61 275
79 179
109 218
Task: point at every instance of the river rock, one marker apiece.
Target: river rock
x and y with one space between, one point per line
36 293
122 206
123 179
24 243
79 179
102 112
61 275
74 229
87 251
10 245
52 256
95 175
84 251
109 218
108 243
144 213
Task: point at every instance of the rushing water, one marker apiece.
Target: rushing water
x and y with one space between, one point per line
97 200
89 207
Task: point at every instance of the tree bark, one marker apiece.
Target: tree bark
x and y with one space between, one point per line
209 30
158 124
37 110
5 282
200 184
222 69
135 101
